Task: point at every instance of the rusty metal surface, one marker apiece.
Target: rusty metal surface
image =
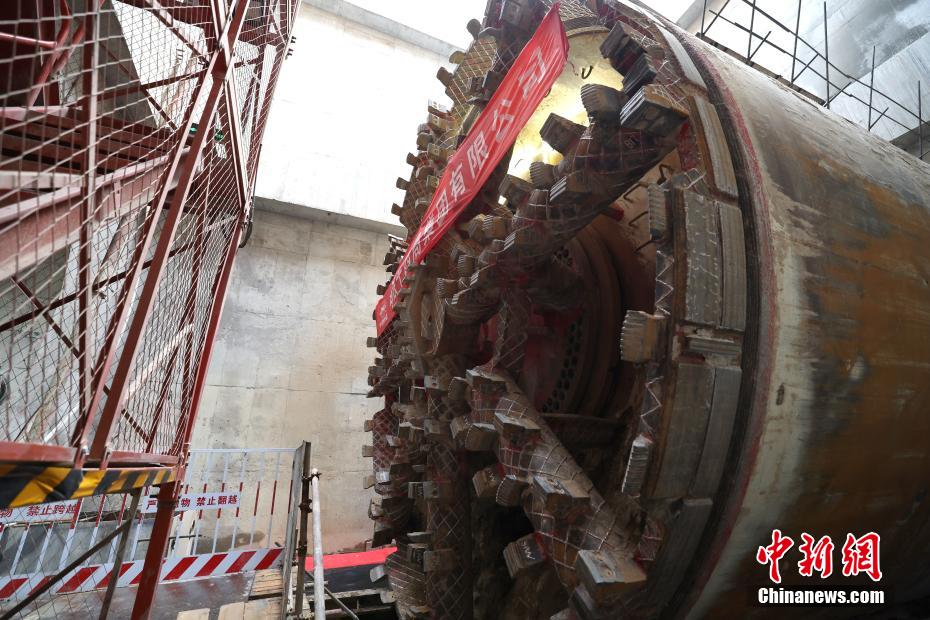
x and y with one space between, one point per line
837 426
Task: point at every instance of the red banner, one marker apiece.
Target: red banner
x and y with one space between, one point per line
533 73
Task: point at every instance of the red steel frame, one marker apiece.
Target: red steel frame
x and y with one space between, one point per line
109 179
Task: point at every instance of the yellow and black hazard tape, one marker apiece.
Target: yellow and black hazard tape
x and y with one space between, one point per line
24 484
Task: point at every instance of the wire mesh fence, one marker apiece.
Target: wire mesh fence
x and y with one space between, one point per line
130 139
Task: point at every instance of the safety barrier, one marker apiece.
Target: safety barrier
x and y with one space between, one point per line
231 517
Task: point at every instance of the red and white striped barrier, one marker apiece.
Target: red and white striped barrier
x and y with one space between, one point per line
180 568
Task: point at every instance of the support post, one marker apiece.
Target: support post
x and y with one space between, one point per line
319 598
871 87
752 25
716 15
88 212
920 123
794 54
302 528
158 542
826 49
120 553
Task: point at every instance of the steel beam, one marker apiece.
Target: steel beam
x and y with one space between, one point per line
158 543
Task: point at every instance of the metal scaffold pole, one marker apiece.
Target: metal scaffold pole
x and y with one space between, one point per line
319 598
302 536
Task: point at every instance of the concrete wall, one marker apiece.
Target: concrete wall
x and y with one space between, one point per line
290 361
348 102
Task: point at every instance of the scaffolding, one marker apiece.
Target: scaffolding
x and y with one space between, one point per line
869 105
130 134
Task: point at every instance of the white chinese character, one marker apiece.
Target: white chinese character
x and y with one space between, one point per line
502 120
477 154
442 205
429 229
458 186
534 75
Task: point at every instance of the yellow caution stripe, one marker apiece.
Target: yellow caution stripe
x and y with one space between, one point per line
25 484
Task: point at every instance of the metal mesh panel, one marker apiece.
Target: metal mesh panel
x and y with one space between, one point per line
126 169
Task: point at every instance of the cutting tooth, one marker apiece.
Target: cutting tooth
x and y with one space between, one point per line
571 188
446 288
494 228
438 124
510 491
437 154
643 72
605 576
561 133
542 175
424 139
445 77
377 573
641 337
466 265
474 437
636 466
437 431
523 554
566 500
649 110
420 612
602 102
475 228
383 535
515 189
486 482
424 172
420 538
474 28
431 491
518 13
517 431
621 46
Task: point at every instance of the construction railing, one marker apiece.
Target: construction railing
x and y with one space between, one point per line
129 139
231 516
